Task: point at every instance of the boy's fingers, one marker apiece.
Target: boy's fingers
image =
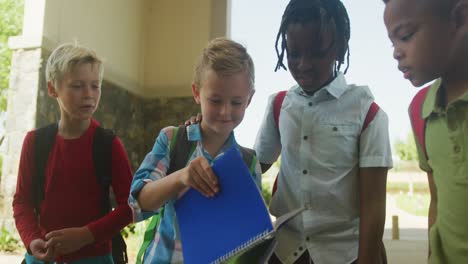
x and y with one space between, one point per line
206 174
199 184
52 243
211 176
198 118
53 234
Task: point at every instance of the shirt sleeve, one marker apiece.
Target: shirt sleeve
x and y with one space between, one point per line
109 225
374 145
23 200
153 167
267 144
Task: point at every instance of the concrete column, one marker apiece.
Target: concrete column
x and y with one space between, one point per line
25 80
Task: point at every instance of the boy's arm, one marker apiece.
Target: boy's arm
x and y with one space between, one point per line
374 162
198 175
432 216
109 225
152 168
372 194
23 201
151 188
267 143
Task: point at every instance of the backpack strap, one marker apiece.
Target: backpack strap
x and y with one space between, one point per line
250 158
417 121
102 159
277 103
44 139
371 113
180 150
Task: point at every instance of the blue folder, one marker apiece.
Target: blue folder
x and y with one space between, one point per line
215 229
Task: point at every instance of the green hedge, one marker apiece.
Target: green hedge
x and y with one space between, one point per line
404 187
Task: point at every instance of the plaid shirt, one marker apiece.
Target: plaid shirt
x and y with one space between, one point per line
166 246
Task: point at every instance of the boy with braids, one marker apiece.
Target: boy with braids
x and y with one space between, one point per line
430 41
333 162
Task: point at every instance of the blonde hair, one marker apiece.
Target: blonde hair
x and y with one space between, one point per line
65 57
225 57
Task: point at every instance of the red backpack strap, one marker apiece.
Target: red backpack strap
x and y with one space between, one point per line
371 113
277 103
417 121
279 98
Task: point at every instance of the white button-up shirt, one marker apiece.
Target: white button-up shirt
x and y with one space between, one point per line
322 147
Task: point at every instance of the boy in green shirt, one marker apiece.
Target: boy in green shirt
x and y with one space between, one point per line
430 39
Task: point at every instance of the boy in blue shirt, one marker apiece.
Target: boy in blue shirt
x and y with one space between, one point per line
223 86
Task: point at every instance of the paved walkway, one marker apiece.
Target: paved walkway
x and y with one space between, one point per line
411 248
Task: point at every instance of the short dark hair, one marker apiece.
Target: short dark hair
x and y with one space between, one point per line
324 12
440 7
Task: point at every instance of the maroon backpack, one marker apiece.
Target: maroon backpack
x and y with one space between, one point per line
418 123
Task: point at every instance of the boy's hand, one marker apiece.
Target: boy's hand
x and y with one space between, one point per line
199 175
69 240
40 250
194 120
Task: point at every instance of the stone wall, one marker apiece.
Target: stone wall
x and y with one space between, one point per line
25 76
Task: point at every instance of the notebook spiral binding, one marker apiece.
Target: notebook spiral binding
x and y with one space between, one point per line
242 247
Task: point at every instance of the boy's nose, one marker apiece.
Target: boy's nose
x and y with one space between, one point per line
226 109
397 53
88 91
304 63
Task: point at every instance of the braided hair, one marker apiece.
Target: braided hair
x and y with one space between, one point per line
326 13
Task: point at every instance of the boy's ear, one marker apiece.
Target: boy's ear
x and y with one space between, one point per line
51 90
196 93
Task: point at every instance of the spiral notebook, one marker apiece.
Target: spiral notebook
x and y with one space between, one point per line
219 229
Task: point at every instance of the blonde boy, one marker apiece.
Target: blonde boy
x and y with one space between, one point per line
67 224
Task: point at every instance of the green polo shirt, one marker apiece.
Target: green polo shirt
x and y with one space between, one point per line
447 149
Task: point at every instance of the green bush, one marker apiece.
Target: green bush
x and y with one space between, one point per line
404 187
10 25
8 243
406 150
417 204
266 193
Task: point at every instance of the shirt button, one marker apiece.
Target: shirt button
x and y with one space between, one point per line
335 129
295 254
307 238
305 137
310 103
304 172
300 248
456 149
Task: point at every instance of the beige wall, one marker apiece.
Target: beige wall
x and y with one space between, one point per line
178 31
112 27
149 46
